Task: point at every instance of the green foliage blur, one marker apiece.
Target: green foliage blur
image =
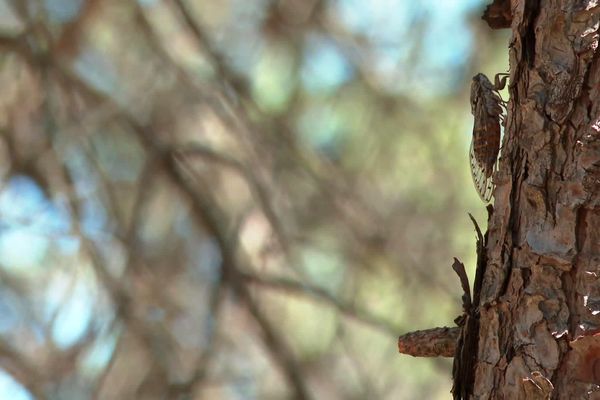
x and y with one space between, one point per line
244 199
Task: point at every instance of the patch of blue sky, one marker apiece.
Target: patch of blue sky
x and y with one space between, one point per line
448 39
23 203
55 295
22 250
447 7
240 36
74 313
68 244
99 355
24 192
84 180
63 10
325 67
389 25
10 313
379 20
206 259
11 389
38 332
248 13
148 3
353 14
203 251
391 19
387 59
30 221
245 52
95 69
442 65
93 215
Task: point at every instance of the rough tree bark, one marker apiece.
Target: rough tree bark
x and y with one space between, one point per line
540 297
538 307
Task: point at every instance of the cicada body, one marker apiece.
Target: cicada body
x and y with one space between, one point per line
486 106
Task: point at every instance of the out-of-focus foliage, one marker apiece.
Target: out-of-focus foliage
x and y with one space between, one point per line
237 199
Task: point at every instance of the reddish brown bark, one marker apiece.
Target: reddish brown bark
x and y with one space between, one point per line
434 342
540 299
498 15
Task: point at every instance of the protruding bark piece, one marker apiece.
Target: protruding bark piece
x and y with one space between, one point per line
498 15
467 345
434 342
537 387
585 358
459 268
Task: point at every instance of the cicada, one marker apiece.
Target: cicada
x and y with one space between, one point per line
487 107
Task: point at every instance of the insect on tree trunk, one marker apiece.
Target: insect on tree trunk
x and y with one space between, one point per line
539 304
538 311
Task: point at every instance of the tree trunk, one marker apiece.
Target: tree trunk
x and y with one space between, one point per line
540 299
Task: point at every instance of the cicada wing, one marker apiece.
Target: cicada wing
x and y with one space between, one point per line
481 179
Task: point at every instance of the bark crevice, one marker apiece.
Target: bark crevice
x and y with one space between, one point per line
542 285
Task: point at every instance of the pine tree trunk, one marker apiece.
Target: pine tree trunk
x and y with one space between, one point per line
540 300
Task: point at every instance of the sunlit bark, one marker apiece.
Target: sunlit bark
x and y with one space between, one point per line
540 296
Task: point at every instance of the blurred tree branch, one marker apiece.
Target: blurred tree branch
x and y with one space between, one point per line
198 221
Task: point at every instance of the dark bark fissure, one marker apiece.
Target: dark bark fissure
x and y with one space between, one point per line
535 189
541 295
463 370
536 311
532 9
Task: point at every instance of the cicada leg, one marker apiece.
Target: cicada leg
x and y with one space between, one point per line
499 84
500 80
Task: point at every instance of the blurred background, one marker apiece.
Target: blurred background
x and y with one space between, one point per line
235 199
